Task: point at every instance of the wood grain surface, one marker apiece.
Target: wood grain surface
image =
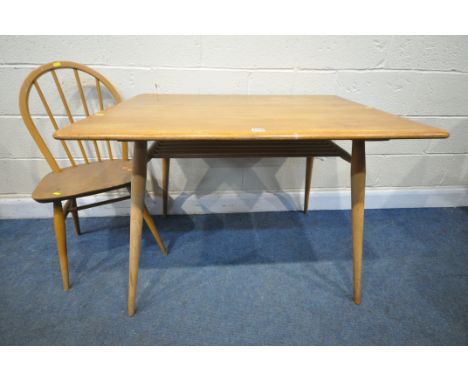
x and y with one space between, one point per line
233 117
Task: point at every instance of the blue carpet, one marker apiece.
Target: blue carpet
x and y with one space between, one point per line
241 279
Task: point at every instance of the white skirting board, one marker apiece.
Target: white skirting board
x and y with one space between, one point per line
23 207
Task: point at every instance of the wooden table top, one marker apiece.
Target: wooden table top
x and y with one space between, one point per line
233 117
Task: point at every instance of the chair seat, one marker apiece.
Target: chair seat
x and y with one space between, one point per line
82 180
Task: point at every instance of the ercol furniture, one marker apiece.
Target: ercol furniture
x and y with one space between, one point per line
269 120
78 180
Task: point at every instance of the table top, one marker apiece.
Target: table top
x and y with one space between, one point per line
233 117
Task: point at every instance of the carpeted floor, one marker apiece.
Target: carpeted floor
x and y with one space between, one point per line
241 279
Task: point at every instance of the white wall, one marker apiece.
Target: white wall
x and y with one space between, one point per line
420 78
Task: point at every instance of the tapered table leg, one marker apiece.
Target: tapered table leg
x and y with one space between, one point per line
136 219
165 183
358 185
308 180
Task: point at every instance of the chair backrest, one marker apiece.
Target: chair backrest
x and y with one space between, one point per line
101 87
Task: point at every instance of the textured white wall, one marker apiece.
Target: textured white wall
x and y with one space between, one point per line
421 78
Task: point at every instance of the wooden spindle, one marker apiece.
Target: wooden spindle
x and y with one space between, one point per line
125 150
99 92
52 119
80 89
109 150
101 108
62 97
85 107
67 110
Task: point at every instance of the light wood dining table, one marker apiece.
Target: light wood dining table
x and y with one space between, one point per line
280 119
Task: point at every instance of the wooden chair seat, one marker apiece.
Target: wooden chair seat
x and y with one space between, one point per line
82 180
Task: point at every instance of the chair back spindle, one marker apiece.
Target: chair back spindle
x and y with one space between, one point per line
85 108
67 110
101 108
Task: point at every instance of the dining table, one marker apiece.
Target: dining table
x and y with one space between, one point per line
262 119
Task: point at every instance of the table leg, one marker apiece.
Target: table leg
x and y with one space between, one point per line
165 183
358 185
308 180
136 219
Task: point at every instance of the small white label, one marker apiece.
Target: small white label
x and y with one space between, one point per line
257 129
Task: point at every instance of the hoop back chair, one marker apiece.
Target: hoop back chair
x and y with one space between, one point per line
78 179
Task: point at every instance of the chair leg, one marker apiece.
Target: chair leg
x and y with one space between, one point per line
76 220
150 223
165 183
61 238
308 180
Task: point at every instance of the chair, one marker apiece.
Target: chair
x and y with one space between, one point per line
244 149
78 179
